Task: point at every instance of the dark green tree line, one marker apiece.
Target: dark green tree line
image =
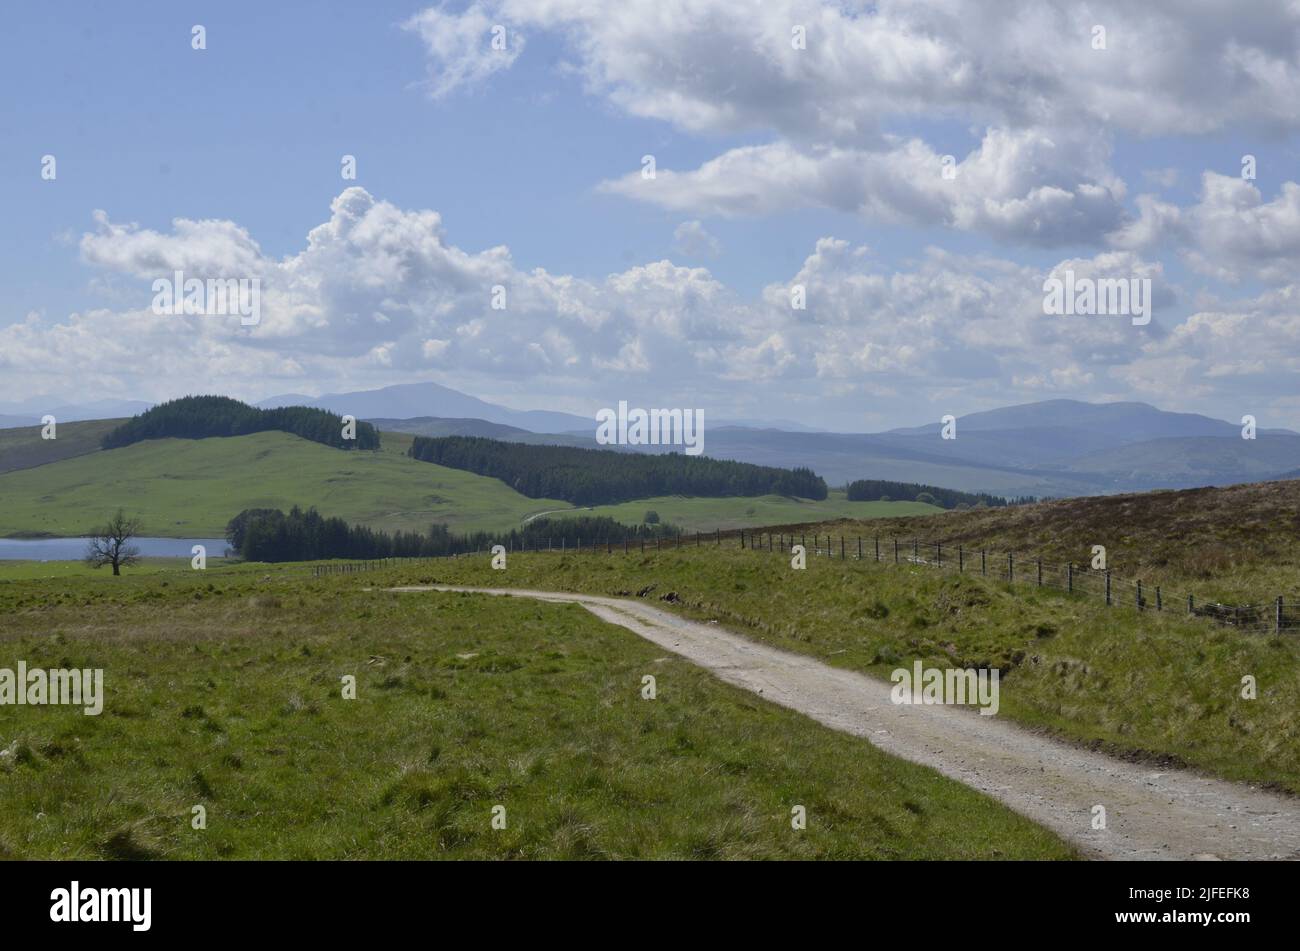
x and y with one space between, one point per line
872 490
602 476
272 535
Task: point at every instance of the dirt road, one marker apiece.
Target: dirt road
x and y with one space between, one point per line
1150 813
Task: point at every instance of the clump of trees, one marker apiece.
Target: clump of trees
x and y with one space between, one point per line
272 535
603 477
198 417
111 545
869 490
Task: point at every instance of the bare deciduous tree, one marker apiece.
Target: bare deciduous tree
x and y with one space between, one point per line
110 544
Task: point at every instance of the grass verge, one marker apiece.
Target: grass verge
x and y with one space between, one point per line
1163 689
223 690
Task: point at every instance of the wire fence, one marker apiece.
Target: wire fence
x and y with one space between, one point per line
1280 615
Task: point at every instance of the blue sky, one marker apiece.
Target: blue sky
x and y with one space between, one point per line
923 302
252 129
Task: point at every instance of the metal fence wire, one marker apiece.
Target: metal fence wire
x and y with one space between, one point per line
1279 615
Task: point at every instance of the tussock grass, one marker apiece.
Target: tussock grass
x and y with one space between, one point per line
223 690
1160 688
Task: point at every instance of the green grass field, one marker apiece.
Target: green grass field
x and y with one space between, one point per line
705 515
51 570
192 487
223 690
1162 688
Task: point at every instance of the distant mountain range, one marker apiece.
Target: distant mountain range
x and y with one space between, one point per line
29 412
410 400
436 426
1049 448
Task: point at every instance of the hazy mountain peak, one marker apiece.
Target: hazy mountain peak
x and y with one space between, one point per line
413 400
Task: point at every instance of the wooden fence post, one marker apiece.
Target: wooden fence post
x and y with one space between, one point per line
1107 587
1277 617
1011 567
960 560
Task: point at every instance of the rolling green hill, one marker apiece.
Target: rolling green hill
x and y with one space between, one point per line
23 447
192 487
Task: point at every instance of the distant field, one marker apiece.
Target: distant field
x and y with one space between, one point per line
192 487
35 570
700 515
222 689
23 448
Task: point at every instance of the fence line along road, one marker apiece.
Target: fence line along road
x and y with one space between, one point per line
1282 614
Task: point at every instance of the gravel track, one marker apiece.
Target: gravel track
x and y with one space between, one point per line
1151 813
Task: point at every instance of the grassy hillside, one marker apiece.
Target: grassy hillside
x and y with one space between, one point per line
706 515
1192 460
842 458
1233 542
192 487
1160 688
23 448
222 689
